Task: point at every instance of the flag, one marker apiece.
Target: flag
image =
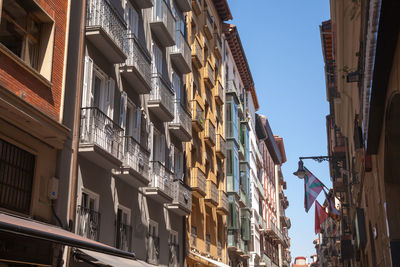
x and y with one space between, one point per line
312 188
332 211
320 216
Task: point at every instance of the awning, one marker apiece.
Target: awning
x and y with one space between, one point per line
104 259
217 263
43 231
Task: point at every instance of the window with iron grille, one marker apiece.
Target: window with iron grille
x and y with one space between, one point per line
16 177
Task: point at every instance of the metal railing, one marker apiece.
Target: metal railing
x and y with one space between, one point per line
231 87
198 113
221 144
124 233
96 128
182 116
101 13
212 191
210 131
197 50
182 194
88 223
138 57
136 156
161 92
182 46
162 12
198 179
209 73
219 91
161 177
223 200
219 249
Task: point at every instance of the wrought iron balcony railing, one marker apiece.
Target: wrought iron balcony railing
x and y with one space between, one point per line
212 192
197 53
209 133
182 195
208 243
98 129
198 116
161 95
139 59
219 93
221 146
209 75
88 223
161 177
181 52
198 181
163 22
136 156
101 13
182 119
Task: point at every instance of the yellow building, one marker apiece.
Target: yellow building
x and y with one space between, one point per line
206 152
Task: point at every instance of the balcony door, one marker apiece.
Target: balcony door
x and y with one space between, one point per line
123 225
153 250
133 121
131 19
157 60
88 215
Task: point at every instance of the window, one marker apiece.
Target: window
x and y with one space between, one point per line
25 30
124 229
178 164
133 120
16 177
153 251
98 89
88 215
132 19
157 59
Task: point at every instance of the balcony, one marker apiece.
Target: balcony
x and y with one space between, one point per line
219 93
209 75
135 167
196 6
233 240
106 30
100 138
181 126
184 5
223 203
160 186
209 25
137 68
274 233
161 98
163 23
197 53
212 193
231 89
209 133
180 53
198 116
88 222
182 202
193 237
123 236
142 4
217 46
198 182
221 147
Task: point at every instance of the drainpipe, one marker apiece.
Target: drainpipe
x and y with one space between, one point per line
76 119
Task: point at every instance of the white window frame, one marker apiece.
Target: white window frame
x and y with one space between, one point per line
92 195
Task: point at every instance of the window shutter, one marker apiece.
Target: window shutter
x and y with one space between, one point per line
137 124
87 94
109 98
122 110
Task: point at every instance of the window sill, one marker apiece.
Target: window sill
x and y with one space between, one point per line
25 66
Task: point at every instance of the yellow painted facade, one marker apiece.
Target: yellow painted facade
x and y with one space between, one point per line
205 153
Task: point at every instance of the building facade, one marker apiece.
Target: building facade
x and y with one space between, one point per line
361 52
206 152
33 48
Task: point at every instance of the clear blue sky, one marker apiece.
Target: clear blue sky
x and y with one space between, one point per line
283 47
